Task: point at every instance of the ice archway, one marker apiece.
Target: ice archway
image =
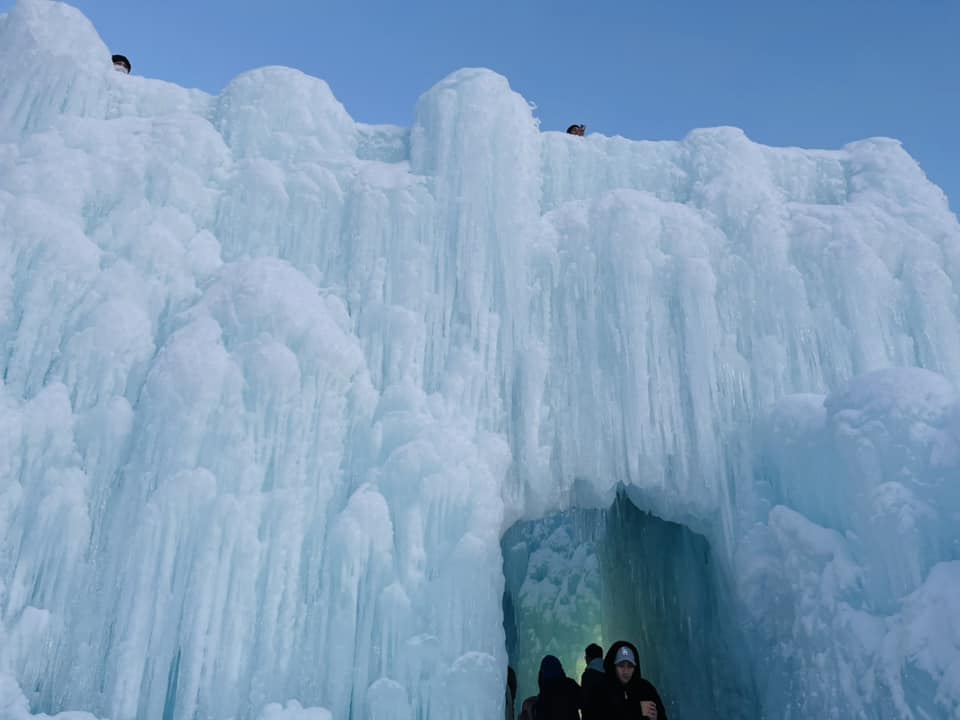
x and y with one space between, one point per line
596 576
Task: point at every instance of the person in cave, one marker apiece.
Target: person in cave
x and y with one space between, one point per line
559 697
629 696
510 699
593 683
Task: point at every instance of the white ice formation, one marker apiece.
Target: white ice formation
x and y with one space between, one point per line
277 385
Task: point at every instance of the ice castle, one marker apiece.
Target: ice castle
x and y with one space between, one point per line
304 418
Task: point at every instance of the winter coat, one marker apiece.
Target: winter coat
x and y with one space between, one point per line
622 702
593 684
528 710
559 697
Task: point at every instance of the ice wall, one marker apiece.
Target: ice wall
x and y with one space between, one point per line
554 592
276 382
859 558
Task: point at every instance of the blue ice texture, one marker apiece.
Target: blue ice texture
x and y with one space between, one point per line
307 419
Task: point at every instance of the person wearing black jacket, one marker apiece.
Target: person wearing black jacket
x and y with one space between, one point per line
559 697
629 695
593 683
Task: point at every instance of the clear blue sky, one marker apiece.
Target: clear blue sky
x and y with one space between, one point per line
811 73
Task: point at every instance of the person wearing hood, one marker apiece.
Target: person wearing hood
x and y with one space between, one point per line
559 697
629 695
121 64
593 683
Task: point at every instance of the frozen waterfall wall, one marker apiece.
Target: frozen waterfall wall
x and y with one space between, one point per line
275 383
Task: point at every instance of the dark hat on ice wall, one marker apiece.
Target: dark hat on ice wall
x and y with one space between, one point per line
120 61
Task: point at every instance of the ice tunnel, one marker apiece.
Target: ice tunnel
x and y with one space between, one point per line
597 576
308 419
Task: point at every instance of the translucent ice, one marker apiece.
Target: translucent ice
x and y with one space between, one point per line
277 384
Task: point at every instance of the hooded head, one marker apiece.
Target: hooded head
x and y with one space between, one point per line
551 670
122 64
622 652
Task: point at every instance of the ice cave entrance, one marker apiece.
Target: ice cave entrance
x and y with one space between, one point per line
585 576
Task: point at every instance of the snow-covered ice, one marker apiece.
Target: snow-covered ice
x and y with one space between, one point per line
291 404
